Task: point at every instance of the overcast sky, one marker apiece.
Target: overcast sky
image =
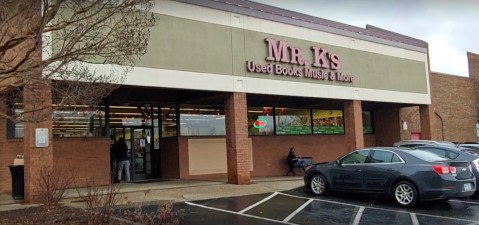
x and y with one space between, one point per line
451 27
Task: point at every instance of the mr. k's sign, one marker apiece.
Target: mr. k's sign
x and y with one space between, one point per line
288 60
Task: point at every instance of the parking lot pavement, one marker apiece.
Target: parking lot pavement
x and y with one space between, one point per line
300 207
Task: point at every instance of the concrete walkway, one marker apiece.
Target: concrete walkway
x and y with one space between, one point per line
177 191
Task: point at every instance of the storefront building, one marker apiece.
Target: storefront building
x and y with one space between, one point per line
225 90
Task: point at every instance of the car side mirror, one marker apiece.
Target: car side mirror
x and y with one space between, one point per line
338 162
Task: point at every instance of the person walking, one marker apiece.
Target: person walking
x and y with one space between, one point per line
123 159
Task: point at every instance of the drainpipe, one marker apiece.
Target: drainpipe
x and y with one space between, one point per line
442 124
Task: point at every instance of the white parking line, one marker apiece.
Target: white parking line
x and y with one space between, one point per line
257 203
414 219
389 210
340 203
358 216
287 219
240 214
453 200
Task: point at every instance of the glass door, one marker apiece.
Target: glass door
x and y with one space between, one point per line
144 160
141 153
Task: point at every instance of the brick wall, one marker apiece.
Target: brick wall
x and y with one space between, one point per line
170 160
269 153
386 126
8 151
89 157
453 102
473 61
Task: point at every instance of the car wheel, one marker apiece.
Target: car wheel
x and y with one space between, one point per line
318 184
405 194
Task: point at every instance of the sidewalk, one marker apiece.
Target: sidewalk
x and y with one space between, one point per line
177 191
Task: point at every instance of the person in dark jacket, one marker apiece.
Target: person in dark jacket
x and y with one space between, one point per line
121 153
292 159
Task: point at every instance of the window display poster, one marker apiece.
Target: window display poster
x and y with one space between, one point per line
266 127
328 122
294 122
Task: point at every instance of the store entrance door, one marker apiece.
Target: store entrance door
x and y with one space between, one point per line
141 154
144 160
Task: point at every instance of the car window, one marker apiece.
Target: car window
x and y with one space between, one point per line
379 156
441 152
396 159
426 156
355 157
436 151
451 154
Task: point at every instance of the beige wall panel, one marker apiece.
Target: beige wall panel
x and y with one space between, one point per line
208 156
219 17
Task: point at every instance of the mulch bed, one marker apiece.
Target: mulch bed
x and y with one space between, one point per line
61 215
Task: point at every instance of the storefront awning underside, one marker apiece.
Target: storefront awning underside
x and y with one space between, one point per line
132 95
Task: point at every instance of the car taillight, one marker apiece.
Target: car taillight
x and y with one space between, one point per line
444 169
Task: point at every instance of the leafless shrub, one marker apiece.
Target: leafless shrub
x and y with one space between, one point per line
100 201
162 216
52 184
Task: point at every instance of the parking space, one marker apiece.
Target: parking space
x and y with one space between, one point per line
299 207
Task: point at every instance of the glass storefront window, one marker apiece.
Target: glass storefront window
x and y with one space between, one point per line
15 129
78 121
68 121
293 121
131 116
328 121
260 121
367 123
168 121
202 121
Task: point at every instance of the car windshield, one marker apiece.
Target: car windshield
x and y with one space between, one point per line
426 156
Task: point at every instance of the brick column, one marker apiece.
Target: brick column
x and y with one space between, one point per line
353 123
426 116
237 139
37 98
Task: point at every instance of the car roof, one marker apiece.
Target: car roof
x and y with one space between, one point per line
462 151
403 152
386 148
424 142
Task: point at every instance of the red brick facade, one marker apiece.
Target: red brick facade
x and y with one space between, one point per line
473 61
386 127
237 151
454 106
89 158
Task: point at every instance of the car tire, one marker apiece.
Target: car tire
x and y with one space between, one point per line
405 194
318 184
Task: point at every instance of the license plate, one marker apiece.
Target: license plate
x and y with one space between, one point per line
467 187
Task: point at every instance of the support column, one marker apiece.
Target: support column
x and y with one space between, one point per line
426 116
37 103
238 158
353 123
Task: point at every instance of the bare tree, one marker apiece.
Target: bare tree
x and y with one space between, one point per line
80 49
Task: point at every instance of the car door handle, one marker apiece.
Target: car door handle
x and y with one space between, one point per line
358 170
